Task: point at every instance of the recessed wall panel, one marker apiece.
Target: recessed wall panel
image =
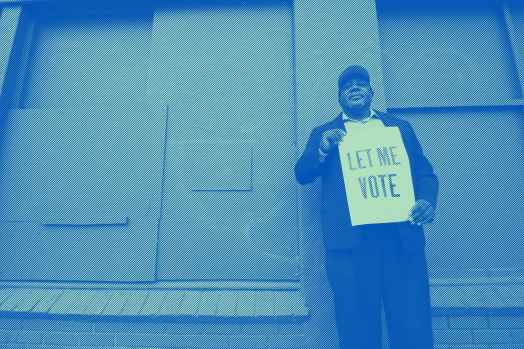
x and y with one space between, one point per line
87 54
226 71
446 53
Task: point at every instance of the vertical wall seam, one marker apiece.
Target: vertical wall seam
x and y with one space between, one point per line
162 193
9 27
298 211
510 30
27 47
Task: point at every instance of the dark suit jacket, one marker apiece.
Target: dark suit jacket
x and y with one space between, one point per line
336 223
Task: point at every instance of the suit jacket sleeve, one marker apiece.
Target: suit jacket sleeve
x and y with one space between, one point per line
309 167
425 181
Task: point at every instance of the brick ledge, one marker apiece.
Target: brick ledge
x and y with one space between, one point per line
155 303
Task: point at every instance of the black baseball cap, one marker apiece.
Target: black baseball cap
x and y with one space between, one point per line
351 72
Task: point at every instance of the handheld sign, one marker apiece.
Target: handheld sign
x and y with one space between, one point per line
377 174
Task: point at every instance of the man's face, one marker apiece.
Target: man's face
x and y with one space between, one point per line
355 94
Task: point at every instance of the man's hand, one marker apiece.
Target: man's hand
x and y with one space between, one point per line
330 139
422 212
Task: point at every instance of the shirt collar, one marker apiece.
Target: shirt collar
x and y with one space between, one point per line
372 114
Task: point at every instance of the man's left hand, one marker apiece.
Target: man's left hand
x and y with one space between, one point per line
422 212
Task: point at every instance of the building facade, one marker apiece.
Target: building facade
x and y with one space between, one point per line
147 153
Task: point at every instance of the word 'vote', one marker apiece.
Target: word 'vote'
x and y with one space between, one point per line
378 186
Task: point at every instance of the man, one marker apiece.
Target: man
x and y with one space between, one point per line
374 263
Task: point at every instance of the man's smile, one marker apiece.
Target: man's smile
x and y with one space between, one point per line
355 97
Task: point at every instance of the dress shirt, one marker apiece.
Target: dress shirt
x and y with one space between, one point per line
349 123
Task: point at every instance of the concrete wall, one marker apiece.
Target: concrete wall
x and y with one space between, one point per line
327 37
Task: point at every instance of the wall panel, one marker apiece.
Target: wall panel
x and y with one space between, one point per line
87 55
225 70
80 199
446 54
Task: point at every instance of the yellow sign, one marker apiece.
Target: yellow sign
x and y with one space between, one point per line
377 174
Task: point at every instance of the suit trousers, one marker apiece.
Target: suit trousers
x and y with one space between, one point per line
379 271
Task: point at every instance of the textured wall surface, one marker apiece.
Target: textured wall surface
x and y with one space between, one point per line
96 187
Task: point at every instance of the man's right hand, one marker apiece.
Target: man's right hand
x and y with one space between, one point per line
331 138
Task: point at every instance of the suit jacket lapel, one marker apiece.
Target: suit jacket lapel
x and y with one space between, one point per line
387 121
338 122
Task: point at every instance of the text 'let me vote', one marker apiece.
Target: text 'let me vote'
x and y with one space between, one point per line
379 185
